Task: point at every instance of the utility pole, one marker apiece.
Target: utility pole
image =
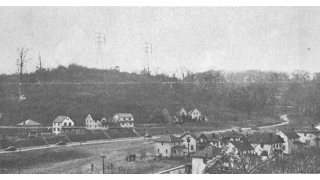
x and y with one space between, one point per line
147 49
101 39
103 157
188 140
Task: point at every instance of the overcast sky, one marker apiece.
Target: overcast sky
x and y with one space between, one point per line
196 38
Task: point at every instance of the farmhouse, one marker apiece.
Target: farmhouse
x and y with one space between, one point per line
190 146
61 121
310 137
125 120
168 146
266 144
291 140
195 114
94 121
182 112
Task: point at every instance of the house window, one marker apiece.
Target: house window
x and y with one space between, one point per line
65 124
166 151
261 145
54 129
191 147
305 134
69 123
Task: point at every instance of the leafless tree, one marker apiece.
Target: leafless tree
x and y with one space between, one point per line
21 61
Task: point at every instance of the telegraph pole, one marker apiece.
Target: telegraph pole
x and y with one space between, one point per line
101 39
147 50
103 157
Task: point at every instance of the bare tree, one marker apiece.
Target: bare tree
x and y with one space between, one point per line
21 61
40 66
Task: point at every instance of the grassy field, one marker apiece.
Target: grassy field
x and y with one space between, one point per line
78 159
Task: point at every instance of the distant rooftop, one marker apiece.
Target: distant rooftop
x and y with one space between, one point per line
29 122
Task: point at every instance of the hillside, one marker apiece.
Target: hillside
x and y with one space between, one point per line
76 91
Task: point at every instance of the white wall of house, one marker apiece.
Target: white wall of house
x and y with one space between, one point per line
195 114
91 124
56 127
197 165
309 139
183 111
126 124
317 126
287 146
164 148
288 143
192 144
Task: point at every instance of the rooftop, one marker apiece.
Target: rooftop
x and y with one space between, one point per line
29 122
290 134
207 152
242 146
168 138
60 119
264 138
125 115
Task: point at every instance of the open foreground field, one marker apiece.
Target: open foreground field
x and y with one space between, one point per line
79 159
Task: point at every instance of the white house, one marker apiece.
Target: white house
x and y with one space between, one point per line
192 145
95 122
61 121
195 114
291 140
266 144
168 146
125 120
30 124
183 112
310 137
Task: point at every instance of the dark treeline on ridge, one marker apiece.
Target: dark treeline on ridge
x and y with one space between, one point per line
76 91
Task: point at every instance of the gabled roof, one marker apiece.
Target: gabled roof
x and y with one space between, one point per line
308 131
60 119
96 116
231 134
29 122
264 138
242 146
290 134
190 112
125 115
213 138
207 152
168 138
194 135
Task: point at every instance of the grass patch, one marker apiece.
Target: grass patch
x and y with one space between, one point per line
18 161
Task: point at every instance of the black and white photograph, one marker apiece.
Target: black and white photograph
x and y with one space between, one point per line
159 90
